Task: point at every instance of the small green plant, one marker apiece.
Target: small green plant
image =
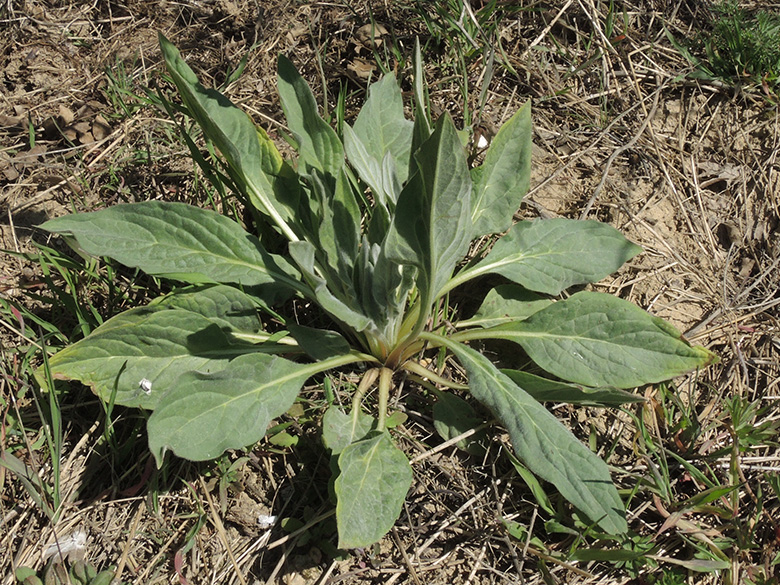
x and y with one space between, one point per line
742 47
55 573
361 242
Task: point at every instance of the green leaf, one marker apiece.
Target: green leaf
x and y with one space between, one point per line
453 416
422 121
550 255
432 224
318 143
337 226
600 340
371 488
339 430
382 140
320 344
546 390
542 442
504 176
504 304
304 255
254 161
205 414
143 352
177 241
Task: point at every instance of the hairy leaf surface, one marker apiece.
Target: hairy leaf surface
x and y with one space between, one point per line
431 228
252 157
597 339
371 488
504 176
543 443
550 255
208 413
318 143
382 140
339 430
177 241
155 344
504 304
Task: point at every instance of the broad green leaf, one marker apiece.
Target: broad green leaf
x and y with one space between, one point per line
504 177
320 344
542 442
339 430
205 414
143 352
319 146
371 488
546 390
550 255
385 135
453 416
600 340
506 303
432 225
254 161
177 241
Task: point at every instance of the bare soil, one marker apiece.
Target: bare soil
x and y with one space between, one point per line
688 170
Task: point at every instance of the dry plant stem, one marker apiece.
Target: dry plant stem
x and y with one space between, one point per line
621 150
221 530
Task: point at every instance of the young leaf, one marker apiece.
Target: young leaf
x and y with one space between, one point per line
337 226
385 135
453 416
504 304
422 121
319 146
550 255
542 442
177 241
375 476
339 430
546 390
504 176
253 159
143 352
208 413
431 228
597 339
303 253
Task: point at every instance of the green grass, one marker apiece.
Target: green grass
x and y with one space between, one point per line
742 49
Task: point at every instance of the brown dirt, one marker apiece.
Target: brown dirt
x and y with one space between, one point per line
689 171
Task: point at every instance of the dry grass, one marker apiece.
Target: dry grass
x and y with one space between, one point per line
687 169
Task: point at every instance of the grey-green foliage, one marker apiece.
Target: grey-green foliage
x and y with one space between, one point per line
378 268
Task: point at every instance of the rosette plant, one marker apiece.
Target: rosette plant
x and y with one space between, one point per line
368 234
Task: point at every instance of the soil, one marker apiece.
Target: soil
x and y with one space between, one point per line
687 169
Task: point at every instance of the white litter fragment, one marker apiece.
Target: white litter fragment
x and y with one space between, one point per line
265 521
72 547
145 385
482 142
